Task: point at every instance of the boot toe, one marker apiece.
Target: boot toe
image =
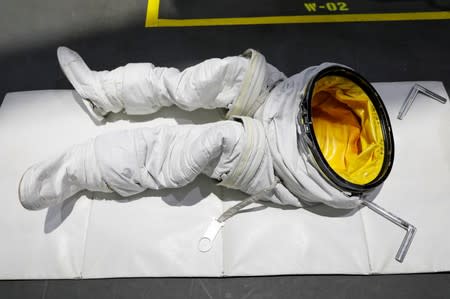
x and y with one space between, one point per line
29 195
67 56
82 78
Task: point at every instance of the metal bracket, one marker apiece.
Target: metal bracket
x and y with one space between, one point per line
415 90
410 229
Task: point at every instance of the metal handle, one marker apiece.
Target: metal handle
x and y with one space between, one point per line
415 90
406 243
410 229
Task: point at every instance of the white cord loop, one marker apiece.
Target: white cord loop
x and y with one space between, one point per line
205 243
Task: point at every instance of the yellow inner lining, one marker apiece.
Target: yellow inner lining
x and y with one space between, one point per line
348 130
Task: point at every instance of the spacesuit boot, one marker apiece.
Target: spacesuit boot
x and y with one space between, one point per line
54 180
89 84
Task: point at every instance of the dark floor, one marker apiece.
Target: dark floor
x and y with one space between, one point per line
109 33
429 286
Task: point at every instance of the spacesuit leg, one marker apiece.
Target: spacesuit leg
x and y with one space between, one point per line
142 88
129 162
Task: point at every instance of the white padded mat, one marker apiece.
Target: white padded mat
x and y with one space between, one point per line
156 233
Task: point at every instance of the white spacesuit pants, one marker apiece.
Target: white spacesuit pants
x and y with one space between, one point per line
131 161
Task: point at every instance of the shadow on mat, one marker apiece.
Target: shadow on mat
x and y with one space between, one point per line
188 195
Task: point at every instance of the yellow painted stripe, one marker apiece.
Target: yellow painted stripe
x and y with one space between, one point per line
152 13
406 16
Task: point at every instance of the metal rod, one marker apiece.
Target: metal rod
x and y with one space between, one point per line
410 229
407 103
406 243
431 94
413 94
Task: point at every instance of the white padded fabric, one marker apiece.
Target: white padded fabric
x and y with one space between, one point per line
156 233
